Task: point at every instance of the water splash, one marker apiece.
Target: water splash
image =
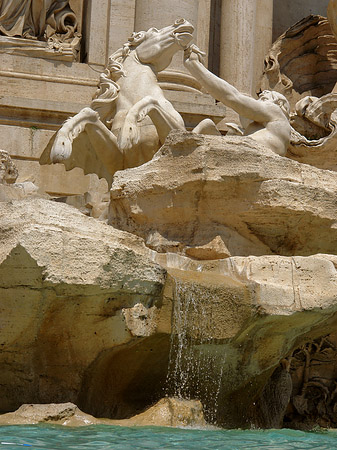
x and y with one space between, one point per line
197 359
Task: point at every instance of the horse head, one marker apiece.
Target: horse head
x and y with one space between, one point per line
157 47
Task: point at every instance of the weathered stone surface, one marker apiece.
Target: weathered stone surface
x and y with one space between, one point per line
251 312
66 414
197 188
64 281
92 309
168 412
9 189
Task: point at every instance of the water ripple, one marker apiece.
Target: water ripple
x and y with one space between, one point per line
102 437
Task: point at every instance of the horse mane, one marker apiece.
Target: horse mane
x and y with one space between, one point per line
108 89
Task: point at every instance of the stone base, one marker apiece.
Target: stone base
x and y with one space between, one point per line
39 49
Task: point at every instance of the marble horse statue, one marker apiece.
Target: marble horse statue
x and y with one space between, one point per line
129 116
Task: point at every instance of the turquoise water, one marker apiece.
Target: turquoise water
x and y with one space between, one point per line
104 437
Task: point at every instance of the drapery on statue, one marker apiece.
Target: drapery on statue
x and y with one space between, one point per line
127 121
268 117
37 19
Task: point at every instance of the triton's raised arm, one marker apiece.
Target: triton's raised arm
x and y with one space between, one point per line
224 92
268 115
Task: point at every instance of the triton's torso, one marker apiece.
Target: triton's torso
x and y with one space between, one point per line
274 135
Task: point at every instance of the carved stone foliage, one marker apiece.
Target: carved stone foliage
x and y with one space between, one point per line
313 371
45 28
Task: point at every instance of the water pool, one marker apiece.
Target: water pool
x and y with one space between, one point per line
104 437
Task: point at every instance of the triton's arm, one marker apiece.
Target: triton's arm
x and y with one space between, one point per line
244 105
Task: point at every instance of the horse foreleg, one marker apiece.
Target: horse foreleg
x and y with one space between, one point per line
102 140
164 117
70 130
105 145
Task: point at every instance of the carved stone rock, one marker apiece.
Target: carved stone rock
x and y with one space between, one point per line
102 302
9 189
198 188
168 412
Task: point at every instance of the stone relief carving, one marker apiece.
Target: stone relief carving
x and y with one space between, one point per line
265 120
314 395
314 131
9 188
46 28
302 61
8 171
129 117
302 65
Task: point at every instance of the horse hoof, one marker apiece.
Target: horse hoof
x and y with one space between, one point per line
128 136
61 149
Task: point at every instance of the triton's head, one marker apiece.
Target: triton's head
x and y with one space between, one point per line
278 99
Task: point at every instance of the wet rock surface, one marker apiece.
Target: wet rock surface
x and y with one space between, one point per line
168 412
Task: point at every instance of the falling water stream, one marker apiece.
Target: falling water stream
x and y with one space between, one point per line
196 359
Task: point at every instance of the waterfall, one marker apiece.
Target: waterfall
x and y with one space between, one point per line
196 359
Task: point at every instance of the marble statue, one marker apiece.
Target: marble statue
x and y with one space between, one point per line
33 18
39 28
265 120
129 117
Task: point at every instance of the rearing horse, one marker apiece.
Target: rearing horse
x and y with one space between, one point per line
127 121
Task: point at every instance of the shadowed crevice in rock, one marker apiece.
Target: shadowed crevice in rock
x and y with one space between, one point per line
124 381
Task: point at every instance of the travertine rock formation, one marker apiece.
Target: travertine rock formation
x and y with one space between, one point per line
92 308
168 412
65 280
201 191
66 414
